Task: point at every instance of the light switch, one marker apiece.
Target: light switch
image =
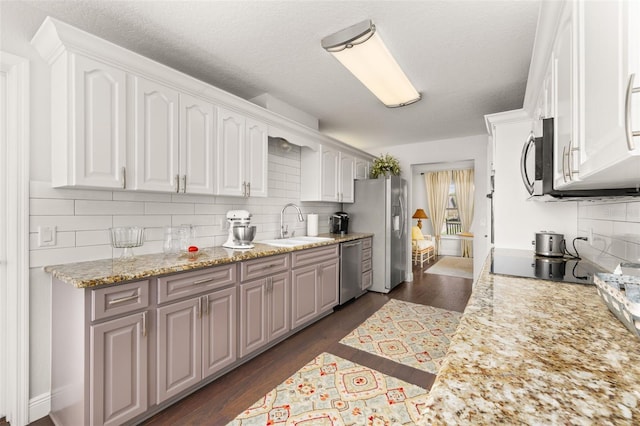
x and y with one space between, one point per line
46 236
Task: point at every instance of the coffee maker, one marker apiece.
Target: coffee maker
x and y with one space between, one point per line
339 223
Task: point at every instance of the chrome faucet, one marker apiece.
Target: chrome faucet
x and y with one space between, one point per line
284 230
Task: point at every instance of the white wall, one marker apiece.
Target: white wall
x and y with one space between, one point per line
472 148
82 217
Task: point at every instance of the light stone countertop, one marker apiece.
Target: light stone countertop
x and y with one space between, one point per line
110 271
529 351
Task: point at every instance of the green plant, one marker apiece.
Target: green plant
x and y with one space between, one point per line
383 165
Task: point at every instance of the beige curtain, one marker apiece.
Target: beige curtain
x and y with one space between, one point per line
465 189
437 195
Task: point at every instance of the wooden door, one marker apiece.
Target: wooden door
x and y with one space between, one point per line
347 175
230 153
253 316
279 298
328 289
304 290
219 330
196 145
257 157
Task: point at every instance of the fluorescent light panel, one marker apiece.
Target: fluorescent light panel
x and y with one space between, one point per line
361 50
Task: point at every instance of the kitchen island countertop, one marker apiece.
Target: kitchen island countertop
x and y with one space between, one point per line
529 351
110 271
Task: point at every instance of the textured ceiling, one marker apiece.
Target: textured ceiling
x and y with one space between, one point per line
467 58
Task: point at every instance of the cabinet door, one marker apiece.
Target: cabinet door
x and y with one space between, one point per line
257 157
606 35
219 330
304 291
230 153
362 169
253 316
279 301
565 79
347 175
329 175
99 136
196 145
179 347
328 279
155 130
118 370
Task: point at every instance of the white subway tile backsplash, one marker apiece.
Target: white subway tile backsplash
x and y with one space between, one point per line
114 208
141 196
39 189
50 207
92 238
70 223
616 232
63 239
142 220
39 258
168 208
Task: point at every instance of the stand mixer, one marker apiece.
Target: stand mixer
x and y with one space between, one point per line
240 232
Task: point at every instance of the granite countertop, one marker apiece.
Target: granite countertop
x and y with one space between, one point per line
529 351
109 271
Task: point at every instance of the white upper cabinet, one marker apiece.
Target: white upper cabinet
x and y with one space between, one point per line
362 168
89 123
595 56
327 174
197 151
241 155
347 175
155 136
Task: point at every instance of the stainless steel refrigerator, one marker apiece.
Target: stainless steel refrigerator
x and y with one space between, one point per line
380 208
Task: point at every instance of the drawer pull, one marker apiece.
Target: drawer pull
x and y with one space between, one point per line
206 280
122 299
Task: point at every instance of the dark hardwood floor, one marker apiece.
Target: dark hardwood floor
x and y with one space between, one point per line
221 401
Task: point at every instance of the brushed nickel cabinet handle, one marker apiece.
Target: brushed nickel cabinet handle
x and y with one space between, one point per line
206 304
177 180
627 114
124 177
248 189
564 157
184 184
206 280
144 324
122 299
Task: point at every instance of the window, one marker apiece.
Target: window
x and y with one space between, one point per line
452 224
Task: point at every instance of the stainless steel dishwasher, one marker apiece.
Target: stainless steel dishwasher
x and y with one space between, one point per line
350 270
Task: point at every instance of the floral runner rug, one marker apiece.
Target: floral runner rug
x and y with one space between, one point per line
333 391
407 333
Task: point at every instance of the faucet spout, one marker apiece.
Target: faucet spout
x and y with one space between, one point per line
283 231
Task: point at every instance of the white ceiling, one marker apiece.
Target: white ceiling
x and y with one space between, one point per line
467 58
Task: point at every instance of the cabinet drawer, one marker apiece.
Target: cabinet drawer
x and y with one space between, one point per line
314 256
366 243
367 279
262 267
119 299
366 265
366 253
186 284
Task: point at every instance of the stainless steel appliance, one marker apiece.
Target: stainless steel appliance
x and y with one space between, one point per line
525 264
538 176
380 208
241 233
350 270
549 244
339 223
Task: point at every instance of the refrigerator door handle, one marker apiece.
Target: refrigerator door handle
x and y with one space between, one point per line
402 215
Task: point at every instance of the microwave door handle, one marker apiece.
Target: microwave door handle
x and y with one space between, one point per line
523 163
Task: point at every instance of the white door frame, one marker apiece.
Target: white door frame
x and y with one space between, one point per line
14 239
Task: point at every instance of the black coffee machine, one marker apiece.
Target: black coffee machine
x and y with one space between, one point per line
339 223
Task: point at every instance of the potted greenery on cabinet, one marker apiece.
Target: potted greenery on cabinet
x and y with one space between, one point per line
385 166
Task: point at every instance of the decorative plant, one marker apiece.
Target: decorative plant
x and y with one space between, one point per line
385 165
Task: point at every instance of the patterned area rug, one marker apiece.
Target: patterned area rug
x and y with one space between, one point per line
333 391
407 333
453 266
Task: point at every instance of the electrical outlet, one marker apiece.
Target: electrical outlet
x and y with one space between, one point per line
46 236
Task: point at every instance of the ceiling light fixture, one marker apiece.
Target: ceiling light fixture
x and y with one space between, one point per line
361 50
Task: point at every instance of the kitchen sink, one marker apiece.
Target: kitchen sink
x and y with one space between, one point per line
295 241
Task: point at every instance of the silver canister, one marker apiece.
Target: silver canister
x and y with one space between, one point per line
549 244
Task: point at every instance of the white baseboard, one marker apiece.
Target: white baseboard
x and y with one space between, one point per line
39 406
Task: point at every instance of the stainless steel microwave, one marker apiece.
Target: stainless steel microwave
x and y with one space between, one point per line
538 180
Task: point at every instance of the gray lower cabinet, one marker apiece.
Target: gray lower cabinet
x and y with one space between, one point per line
265 294
314 283
118 369
196 337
